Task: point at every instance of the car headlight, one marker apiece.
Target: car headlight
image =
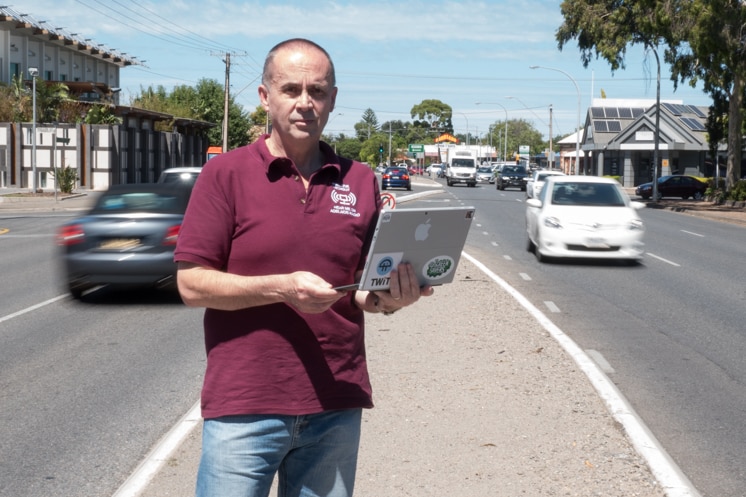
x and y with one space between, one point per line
636 224
552 222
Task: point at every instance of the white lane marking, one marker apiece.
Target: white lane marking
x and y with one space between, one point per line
599 359
692 233
662 259
495 244
551 306
32 308
507 257
159 454
525 276
665 470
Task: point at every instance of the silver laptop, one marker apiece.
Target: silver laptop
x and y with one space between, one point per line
430 239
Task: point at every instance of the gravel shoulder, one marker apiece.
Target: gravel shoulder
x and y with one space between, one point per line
473 403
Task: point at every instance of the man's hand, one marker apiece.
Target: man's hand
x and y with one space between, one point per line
310 293
404 289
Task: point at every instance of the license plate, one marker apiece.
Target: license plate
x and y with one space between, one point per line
596 243
120 243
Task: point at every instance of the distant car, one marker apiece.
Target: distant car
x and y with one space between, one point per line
179 174
676 185
435 170
511 177
126 239
585 217
484 174
396 177
534 185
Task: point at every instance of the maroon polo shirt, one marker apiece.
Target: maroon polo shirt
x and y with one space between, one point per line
250 214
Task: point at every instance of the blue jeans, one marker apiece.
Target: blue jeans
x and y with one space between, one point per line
314 455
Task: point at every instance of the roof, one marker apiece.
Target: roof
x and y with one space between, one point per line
58 36
617 123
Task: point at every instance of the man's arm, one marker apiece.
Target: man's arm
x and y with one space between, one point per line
202 286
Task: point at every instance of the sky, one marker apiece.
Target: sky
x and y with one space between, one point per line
389 55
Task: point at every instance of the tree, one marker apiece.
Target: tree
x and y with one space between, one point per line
705 41
367 125
205 102
433 114
712 49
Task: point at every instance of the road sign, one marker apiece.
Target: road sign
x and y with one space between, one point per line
416 148
388 200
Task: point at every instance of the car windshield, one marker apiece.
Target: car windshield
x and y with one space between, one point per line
462 163
396 170
589 194
513 170
485 169
161 202
176 177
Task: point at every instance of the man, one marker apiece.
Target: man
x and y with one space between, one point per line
270 230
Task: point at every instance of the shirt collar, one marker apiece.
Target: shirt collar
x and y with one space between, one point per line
284 166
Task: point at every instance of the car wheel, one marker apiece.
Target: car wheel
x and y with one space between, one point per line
409 188
537 253
76 292
529 244
383 187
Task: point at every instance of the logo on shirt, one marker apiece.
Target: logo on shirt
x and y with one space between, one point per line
344 201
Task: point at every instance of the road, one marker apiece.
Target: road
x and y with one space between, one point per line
85 388
670 329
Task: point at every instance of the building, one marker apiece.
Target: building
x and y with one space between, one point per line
133 151
619 140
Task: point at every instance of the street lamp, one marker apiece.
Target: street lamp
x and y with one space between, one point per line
467 127
577 132
33 72
505 150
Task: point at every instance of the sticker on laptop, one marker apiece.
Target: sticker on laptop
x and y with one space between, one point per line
438 267
382 265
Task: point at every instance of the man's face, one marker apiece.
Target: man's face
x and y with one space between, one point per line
300 96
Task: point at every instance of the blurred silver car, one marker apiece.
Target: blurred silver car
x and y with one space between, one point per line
179 174
126 239
585 217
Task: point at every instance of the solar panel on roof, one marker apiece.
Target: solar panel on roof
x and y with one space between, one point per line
692 124
614 126
695 110
672 108
597 112
637 112
612 112
600 127
625 113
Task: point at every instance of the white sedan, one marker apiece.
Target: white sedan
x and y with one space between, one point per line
584 217
534 185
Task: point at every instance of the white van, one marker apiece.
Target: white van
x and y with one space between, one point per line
461 167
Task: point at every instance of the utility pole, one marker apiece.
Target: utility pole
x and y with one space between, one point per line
227 61
551 149
227 93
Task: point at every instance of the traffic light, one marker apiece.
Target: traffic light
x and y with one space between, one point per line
380 149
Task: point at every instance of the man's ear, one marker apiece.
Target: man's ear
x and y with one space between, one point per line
263 95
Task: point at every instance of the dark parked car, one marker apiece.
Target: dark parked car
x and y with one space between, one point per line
126 239
677 185
511 177
396 177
